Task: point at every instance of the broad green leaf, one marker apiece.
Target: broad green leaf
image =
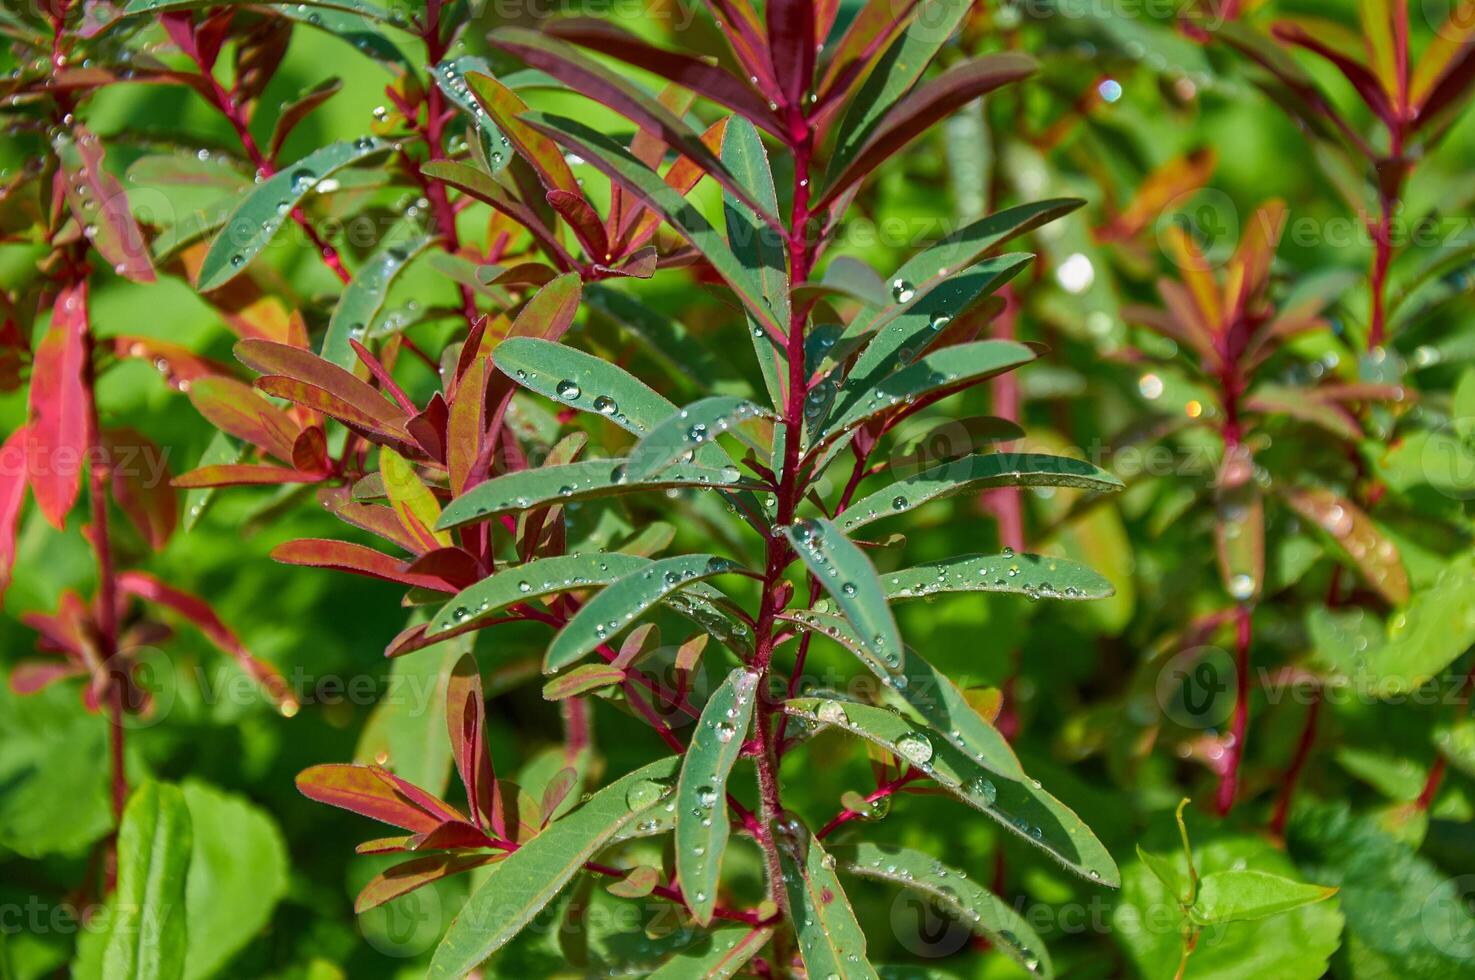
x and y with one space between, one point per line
1018 805
719 954
616 162
1036 576
758 247
573 482
261 214
450 76
701 793
907 334
935 374
894 73
364 296
688 430
538 578
977 907
930 692
1243 895
972 473
1414 645
830 940
1165 871
238 872
53 765
579 380
406 731
519 886
148 936
850 579
623 600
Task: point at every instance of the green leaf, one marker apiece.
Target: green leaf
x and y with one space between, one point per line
540 577
717 955
1244 895
406 731
919 323
53 765
894 73
929 691
1165 871
1414 645
830 940
1036 576
582 680
262 212
519 886
977 907
579 380
616 162
1024 809
413 502
623 600
686 431
238 872
571 482
352 23
972 473
363 297
935 374
450 76
759 248
850 579
702 824
665 337
148 937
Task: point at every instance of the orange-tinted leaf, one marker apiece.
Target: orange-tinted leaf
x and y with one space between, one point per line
466 721
1374 554
241 475
139 474
100 207
235 408
345 556
359 789
405 878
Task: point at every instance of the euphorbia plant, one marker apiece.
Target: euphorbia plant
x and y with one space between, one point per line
485 508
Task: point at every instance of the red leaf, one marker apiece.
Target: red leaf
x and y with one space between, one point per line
180 366
101 208
12 496
792 46
310 451
376 520
139 473
198 612
233 407
358 789
241 475
467 424
450 565
57 442
267 357
32 676
466 718
1363 80
550 312
325 401
429 427
585 222
345 556
405 878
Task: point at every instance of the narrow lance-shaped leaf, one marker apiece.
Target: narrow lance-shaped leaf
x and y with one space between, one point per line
299 109
100 207
533 875
616 162
504 107
702 825
262 213
934 375
977 907
929 692
450 76
850 579
1355 533
759 248
364 296
359 7
720 954
148 935
413 502
1036 576
572 482
533 580
617 606
831 942
1019 806
57 433
682 433
896 71
582 381
978 472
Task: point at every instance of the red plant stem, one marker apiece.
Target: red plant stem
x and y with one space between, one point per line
1436 771
1298 763
881 792
1229 781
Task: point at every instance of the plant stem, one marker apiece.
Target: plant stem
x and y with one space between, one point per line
1229 781
1436 771
1298 763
